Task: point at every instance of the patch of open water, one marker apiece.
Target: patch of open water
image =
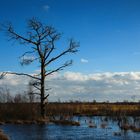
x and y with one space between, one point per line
60 132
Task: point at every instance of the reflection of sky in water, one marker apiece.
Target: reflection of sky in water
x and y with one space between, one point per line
59 132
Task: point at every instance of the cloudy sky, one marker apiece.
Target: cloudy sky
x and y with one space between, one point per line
107 66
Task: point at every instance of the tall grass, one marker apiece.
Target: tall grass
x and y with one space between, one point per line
31 111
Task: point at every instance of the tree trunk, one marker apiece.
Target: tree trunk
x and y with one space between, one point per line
42 105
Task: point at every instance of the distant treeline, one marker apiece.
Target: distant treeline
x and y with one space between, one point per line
96 103
29 97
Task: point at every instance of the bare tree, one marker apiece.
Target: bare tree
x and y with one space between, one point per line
30 92
5 95
41 40
18 98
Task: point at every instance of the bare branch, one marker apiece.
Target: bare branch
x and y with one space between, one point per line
46 96
23 74
34 24
35 84
35 93
48 89
72 49
28 52
2 75
36 87
50 51
42 32
68 63
14 35
26 61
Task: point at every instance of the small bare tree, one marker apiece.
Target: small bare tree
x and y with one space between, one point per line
30 92
41 40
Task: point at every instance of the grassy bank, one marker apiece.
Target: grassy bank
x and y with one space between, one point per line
3 136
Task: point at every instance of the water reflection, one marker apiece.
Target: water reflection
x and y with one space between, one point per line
107 128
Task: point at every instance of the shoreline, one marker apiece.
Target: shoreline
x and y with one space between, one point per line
20 121
40 122
3 136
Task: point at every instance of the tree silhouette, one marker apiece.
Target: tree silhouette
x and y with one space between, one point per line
41 40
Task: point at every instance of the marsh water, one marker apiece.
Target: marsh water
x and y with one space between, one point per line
62 132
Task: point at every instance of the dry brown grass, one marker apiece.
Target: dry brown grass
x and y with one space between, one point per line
3 136
19 111
100 109
31 111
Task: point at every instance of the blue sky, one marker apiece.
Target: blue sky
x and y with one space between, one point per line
108 32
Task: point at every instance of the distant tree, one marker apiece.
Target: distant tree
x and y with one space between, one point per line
30 93
5 96
125 101
133 97
41 41
2 95
18 98
9 98
94 101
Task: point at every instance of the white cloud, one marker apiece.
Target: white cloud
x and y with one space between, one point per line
46 7
113 86
84 60
37 71
28 57
75 76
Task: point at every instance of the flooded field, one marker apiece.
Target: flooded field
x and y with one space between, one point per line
91 128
